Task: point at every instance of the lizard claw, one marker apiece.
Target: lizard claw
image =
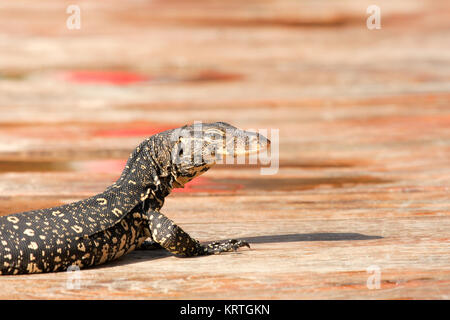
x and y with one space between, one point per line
238 243
226 246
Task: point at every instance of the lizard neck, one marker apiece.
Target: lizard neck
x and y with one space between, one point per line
144 177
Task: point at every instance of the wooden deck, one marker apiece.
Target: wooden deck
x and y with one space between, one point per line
364 132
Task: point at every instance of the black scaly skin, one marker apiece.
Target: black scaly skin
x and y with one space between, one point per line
110 224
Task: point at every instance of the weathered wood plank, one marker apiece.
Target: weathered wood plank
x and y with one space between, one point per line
364 120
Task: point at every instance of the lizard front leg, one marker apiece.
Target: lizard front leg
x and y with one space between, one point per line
149 244
172 238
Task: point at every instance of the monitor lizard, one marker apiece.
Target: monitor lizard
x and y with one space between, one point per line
126 216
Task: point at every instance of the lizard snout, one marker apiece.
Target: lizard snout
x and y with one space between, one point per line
246 142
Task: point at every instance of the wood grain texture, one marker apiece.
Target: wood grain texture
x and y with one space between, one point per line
364 120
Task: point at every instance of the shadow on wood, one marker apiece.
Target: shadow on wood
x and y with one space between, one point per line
310 237
157 253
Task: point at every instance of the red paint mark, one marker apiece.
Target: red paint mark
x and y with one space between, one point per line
196 184
119 78
206 185
101 166
131 132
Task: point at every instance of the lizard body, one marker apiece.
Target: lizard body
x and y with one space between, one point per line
127 214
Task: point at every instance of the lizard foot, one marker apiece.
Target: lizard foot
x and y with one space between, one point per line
225 246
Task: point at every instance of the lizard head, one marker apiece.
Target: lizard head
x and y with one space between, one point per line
197 147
